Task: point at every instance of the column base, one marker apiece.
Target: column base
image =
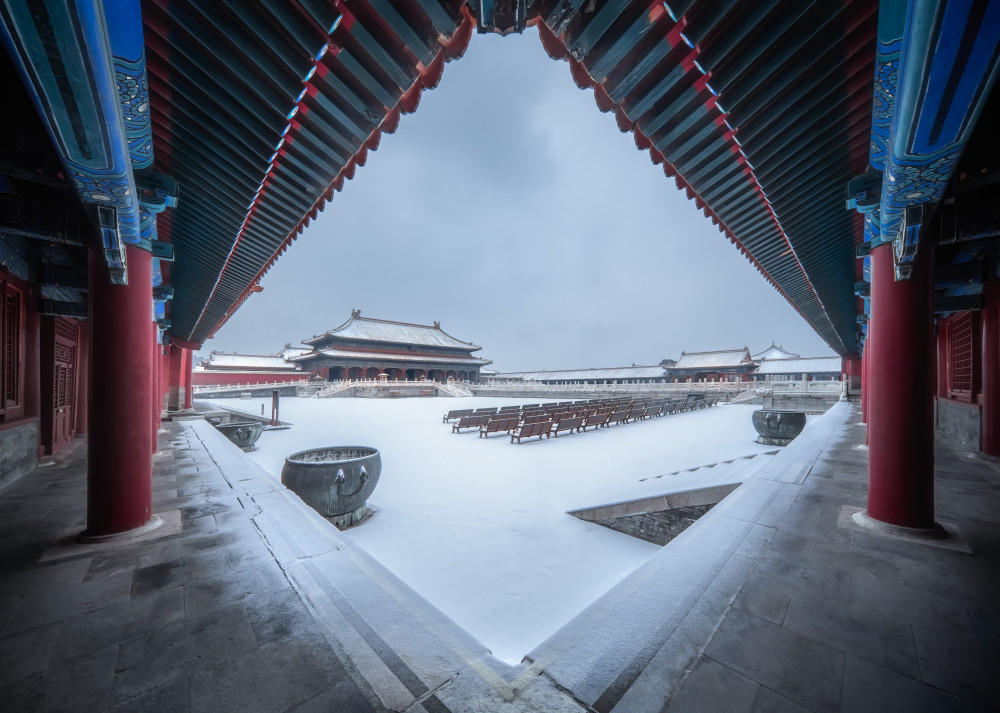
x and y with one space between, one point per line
121 537
935 532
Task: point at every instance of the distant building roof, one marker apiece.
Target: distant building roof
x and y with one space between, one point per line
775 352
611 373
725 358
289 351
366 329
801 365
218 361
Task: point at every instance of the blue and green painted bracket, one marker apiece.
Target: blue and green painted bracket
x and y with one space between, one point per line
83 63
937 62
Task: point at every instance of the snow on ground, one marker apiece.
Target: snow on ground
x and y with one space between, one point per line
479 527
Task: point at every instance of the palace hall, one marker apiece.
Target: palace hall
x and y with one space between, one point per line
366 348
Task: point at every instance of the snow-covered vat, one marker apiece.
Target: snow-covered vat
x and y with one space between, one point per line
335 481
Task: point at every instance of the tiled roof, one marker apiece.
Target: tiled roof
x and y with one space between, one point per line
366 329
775 352
218 361
803 365
262 111
611 373
713 360
416 358
289 352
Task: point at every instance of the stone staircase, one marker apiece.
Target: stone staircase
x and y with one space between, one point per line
331 389
748 397
456 389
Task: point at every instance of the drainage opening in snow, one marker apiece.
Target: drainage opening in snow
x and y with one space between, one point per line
657 519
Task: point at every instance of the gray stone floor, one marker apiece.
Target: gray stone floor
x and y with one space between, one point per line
257 606
833 619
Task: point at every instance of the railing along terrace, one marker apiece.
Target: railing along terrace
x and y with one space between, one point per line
218 388
816 387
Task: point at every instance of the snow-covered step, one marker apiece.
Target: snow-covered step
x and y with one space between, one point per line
659 508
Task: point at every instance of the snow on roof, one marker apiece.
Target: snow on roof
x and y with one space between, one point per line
623 372
775 352
713 360
381 330
801 365
389 356
289 351
218 361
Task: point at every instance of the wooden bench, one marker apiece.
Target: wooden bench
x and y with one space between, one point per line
456 413
496 425
470 422
528 430
597 420
619 416
574 423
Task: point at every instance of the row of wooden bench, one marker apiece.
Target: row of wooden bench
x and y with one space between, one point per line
573 417
527 409
490 410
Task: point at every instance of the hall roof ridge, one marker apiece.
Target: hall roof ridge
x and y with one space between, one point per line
386 330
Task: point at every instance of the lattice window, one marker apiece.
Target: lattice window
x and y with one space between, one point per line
65 356
961 352
63 395
64 353
67 399
10 337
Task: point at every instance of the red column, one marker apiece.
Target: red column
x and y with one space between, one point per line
990 318
164 379
154 386
186 368
941 386
119 465
174 358
900 407
866 360
82 380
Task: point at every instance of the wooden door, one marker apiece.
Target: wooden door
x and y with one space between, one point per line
59 347
64 380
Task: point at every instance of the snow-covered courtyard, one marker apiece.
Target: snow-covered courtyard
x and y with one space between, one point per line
479 527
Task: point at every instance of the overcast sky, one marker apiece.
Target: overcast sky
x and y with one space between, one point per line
515 213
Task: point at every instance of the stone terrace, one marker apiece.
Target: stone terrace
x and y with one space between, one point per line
246 600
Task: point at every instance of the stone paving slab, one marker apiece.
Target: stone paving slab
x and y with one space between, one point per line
259 604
